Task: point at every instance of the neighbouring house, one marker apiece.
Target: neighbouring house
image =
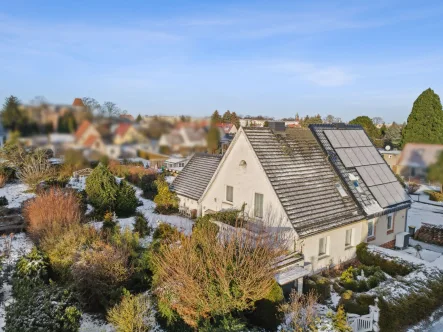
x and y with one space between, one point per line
327 188
126 133
391 157
228 128
415 160
59 143
191 183
176 163
185 141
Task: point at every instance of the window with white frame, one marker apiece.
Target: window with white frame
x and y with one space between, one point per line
322 246
348 240
371 228
390 222
258 205
229 194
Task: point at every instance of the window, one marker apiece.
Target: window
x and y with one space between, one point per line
322 243
348 241
390 221
371 230
229 194
341 190
258 206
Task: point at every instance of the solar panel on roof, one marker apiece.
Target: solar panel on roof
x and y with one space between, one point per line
398 198
356 137
364 138
387 195
361 156
368 155
377 156
380 171
341 138
332 139
379 196
389 173
365 176
401 191
353 157
344 158
348 137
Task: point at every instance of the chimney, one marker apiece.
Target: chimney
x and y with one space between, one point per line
277 127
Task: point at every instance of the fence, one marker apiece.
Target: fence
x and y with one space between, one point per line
367 322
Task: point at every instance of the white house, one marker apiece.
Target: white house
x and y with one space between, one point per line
326 187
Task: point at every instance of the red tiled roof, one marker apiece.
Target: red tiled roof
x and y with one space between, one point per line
90 140
122 129
78 102
81 130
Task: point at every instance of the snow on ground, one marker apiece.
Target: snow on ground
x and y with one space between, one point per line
77 183
424 213
169 179
16 194
90 323
17 245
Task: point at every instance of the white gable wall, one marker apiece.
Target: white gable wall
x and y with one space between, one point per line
246 181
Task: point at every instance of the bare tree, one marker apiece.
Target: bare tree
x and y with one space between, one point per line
300 312
110 109
91 104
377 120
210 274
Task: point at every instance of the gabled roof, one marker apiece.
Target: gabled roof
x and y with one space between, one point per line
303 180
78 102
420 155
366 174
90 140
82 129
196 175
122 129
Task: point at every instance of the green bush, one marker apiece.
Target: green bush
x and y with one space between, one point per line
391 267
3 201
166 201
267 314
436 196
42 308
411 309
349 302
127 202
141 225
349 278
320 285
148 185
32 267
102 189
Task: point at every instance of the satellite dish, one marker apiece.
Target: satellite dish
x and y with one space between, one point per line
387 147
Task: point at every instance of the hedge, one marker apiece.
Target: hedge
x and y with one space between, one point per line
320 285
436 196
391 267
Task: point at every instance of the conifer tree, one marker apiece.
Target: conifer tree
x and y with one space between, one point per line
216 118
227 117
12 118
425 123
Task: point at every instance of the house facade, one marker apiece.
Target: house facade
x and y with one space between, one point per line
415 159
301 182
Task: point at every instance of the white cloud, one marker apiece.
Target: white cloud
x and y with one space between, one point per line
327 76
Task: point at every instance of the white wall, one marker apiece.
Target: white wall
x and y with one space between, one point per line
336 252
382 234
188 203
246 181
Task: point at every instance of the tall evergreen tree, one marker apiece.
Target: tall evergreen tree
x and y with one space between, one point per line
235 120
138 119
425 123
227 117
215 117
393 134
11 116
213 139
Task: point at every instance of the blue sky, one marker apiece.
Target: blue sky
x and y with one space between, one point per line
274 58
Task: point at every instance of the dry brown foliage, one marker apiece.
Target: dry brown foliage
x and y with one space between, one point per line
132 314
300 313
51 213
99 270
3 180
128 170
34 169
209 274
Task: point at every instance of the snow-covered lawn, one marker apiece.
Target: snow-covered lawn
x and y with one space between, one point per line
17 245
424 213
16 194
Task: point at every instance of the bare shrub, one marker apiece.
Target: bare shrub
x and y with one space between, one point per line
99 271
300 313
51 213
412 187
209 274
3 180
132 314
35 169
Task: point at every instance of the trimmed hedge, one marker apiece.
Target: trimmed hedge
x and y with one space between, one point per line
410 309
391 267
436 196
356 304
320 285
349 278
